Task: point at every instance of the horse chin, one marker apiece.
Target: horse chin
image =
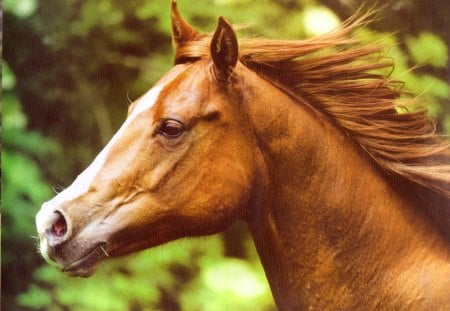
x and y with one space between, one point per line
87 265
83 272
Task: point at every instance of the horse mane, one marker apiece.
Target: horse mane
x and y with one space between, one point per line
349 81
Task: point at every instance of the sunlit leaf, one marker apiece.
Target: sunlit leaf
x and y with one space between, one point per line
234 284
428 48
35 298
319 20
435 86
8 78
20 8
13 117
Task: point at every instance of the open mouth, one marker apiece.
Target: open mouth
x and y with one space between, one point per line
87 264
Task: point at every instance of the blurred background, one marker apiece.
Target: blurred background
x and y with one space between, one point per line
69 71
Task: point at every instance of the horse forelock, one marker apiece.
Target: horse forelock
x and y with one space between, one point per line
349 81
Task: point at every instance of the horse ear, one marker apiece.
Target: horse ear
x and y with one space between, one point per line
182 32
224 50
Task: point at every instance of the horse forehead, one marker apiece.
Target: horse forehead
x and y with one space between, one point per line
150 99
172 74
193 82
187 92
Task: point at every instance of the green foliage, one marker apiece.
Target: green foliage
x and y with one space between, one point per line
234 283
432 90
8 78
428 48
142 281
23 189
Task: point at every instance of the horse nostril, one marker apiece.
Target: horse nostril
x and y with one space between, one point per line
57 229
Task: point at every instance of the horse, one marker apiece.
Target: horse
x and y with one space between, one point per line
345 194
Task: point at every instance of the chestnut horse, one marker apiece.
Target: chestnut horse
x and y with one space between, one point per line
346 198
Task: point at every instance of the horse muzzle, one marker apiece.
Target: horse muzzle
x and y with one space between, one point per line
75 255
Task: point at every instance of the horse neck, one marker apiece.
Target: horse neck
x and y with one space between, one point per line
327 223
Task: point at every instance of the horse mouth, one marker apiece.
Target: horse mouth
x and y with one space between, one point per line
87 264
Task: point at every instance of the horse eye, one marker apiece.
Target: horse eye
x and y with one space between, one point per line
171 129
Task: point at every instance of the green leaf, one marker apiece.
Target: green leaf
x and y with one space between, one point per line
29 142
13 117
435 86
8 78
22 192
35 298
428 48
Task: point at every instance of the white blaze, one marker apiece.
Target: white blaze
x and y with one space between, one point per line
84 180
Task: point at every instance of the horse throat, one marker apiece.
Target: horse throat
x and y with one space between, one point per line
323 211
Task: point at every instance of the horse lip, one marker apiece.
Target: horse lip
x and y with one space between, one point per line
85 266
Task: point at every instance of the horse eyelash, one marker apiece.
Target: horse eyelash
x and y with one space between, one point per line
129 99
58 189
36 243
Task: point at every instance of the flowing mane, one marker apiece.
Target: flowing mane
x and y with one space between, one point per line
350 82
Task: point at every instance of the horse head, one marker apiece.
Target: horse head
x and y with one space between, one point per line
182 164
